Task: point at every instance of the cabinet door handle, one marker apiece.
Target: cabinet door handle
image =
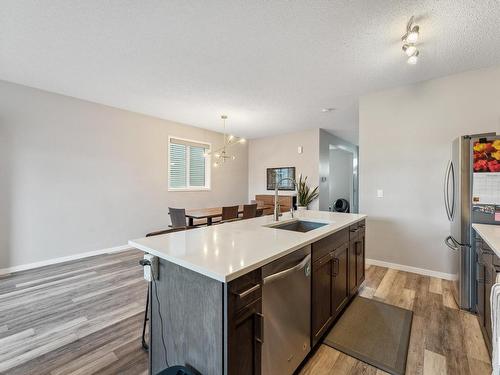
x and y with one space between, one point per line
354 230
358 248
335 267
260 337
248 291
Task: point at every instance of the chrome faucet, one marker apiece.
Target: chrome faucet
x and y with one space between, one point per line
276 204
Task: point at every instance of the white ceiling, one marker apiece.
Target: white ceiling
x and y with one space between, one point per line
270 65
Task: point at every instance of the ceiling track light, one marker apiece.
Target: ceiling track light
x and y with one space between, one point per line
409 49
413 59
409 41
412 32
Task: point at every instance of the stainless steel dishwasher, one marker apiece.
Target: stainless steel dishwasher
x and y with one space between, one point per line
286 305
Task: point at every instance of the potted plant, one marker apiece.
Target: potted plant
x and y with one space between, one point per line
304 194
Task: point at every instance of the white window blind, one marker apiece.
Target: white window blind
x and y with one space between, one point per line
189 168
196 166
177 166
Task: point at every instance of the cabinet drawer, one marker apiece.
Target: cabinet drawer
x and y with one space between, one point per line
356 232
355 228
359 224
328 244
244 290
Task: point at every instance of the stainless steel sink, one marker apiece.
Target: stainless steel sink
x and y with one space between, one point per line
299 226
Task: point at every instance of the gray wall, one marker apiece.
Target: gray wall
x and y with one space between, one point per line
77 176
281 151
325 140
405 138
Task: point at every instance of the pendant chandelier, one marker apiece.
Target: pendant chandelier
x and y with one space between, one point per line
221 155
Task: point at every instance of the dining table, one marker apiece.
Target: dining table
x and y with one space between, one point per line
214 212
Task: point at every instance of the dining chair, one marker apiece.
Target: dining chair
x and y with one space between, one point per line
229 212
177 217
249 211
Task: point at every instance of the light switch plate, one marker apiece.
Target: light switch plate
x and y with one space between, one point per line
380 193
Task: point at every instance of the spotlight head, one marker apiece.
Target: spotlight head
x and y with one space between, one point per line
413 59
409 49
412 35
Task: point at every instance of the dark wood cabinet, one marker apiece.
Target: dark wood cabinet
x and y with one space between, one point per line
321 298
340 288
330 291
487 267
360 258
489 280
245 324
352 267
356 256
337 273
480 290
245 340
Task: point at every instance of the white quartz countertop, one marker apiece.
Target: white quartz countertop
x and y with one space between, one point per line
226 251
490 234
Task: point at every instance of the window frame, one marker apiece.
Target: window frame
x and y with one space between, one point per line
208 180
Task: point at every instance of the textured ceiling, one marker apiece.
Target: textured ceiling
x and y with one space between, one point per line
270 65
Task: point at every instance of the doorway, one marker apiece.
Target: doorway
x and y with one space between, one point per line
341 178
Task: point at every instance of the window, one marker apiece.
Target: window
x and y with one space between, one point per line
188 168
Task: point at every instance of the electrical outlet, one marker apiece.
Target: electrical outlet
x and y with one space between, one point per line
147 269
380 193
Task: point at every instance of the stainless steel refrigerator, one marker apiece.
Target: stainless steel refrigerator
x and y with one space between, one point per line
458 201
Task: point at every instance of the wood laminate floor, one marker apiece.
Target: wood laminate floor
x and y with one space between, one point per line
81 317
444 339
85 317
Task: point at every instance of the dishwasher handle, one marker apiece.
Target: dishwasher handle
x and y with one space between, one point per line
279 275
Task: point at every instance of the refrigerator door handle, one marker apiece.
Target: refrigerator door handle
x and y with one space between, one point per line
458 244
445 190
452 207
451 243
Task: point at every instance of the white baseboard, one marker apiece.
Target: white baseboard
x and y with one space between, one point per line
420 271
24 267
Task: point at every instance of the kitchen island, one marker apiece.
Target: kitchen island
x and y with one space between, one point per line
213 297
